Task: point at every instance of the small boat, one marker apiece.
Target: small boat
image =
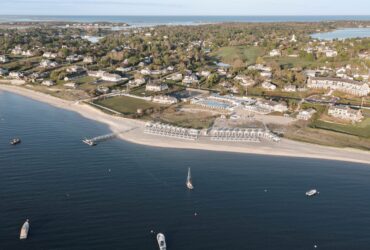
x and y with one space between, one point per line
15 141
89 142
24 230
312 192
189 184
161 241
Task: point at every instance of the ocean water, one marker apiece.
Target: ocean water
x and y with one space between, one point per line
184 20
111 196
343 34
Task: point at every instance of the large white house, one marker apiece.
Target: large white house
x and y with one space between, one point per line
268 85
346 113
164 99
48 64
190 79
306 114
275 52
272 106
4 59
50 55
105 76
344 85
155 87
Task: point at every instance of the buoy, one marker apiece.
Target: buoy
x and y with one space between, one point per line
151 231
315 246
195 214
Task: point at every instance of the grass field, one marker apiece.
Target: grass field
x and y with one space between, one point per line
246 54
127 105
198 120
361 129
291 61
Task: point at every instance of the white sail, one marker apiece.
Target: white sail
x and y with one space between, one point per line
24 230
189 184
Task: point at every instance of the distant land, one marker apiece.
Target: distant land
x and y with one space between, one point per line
183 20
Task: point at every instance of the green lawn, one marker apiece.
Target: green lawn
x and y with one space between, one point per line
232 53
361 129
126 105
292 61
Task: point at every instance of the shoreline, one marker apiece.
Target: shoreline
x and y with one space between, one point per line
285 148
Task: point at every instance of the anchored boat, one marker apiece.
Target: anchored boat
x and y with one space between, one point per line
24 230
312 192
89 142
15 141
161 241
189 183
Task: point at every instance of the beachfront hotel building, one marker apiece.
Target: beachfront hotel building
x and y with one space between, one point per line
241 134
171 131
343 85
346 113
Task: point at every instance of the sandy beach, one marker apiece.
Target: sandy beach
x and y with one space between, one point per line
136 134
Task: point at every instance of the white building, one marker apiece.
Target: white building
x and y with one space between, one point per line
155 87
89 59
50 55
111 77
290 88
48 83
4 59
71 85
164 99
16 75
175 77
268 85
306 114
137 82
17 50
330 53
272 106
48 64
205 73
190 79
27 53
74 58
346 113
294 39
343 85
266 74
146 72
275 52
245 81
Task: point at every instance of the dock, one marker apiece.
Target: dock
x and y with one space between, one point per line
95 140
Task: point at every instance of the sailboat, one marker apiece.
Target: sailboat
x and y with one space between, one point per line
24 230
188 181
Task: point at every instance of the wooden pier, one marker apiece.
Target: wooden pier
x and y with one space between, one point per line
94 141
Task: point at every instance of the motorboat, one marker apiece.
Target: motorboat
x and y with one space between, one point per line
161 241
15 141
312 192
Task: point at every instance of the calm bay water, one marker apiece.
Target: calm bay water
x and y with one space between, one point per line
343 34
73 201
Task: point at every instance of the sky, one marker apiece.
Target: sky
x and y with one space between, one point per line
185 7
